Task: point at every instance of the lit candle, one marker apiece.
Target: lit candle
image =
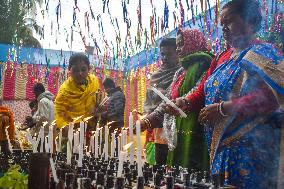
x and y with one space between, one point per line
124 134
46 145
76 142
69 142
96 142
81 146
120 163
8 138
60 140
101 141
92 149
35 142
139 149
41 137
118 144
52 165
131 138
50 139
167 101
112 144
106 142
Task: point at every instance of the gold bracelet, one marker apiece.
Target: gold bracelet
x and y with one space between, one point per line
220 107
148 123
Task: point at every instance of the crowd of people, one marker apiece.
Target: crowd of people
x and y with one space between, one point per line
233 101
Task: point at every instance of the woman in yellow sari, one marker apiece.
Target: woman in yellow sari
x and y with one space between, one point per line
77 95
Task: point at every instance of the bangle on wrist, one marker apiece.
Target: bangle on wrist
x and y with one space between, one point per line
221 108
148 123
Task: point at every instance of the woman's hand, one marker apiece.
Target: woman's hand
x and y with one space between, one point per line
181 102
209 115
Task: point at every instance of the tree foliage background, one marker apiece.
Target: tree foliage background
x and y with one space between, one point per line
17 22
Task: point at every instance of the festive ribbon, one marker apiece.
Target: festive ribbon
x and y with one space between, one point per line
92 13
124 8
139 14
192 12
175 19
181 13
105 4
58 13
46 5
87 23
166 16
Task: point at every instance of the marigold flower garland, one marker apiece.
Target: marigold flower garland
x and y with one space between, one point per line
11 129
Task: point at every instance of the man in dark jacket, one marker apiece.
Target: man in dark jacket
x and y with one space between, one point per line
114 106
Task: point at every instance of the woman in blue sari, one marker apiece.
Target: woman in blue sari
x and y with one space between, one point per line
244 101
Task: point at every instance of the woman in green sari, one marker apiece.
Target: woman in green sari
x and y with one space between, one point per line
187 145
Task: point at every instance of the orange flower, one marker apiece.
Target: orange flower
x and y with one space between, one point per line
11 130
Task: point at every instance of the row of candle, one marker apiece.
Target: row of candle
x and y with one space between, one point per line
77 141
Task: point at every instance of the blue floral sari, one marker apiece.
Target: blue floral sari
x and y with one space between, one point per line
247 152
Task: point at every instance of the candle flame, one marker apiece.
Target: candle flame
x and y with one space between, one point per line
134 110
109 123
53 123
127 146
142 117
44 123
87 118
77 118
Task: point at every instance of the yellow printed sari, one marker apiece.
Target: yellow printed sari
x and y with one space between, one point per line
73 101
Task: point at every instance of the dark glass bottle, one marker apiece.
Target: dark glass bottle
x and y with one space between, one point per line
140 183
69 181
84 183
39 171
119 183
170 180
157 180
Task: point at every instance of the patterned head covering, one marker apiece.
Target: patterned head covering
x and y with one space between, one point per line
194 41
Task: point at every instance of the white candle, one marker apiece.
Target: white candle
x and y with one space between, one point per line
131 138
69 142
124 133
167 101
69 153
8 138
50 139
112 144
41 137
121 138
92 149
52 165
76 142
96 142
60 140
46 145
100 142
56 145
85 129
81 146
139 149
35 143
118 145
120 163
106 142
